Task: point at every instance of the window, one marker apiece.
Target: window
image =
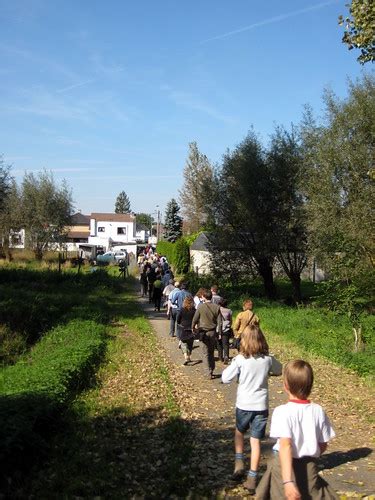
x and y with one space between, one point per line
101 229
121 230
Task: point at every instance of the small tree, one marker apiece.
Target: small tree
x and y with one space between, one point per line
9 207
145 219
173 222
45 211
122 205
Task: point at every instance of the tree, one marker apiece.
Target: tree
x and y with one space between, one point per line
285 165
46 211
172 222
9 207
340 190
5 182
360 29
198 174
243 210
122 205
145 219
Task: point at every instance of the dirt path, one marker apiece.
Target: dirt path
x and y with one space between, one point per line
348 465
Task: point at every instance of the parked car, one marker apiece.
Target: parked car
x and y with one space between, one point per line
109 257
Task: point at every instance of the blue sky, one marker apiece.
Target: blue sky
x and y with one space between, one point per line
108 94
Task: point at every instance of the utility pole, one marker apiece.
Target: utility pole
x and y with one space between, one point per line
157 224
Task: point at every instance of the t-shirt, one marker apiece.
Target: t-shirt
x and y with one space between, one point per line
306 424
253 372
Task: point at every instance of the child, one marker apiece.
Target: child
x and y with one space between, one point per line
252 366
244 319
302 430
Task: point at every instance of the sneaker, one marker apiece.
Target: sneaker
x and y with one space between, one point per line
250 483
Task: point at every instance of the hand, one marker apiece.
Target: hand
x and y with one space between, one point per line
291 491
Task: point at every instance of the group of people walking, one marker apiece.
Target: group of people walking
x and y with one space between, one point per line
301 428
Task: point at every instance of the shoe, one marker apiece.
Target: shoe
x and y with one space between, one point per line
211 376
250 483
186 362
239 469
179 344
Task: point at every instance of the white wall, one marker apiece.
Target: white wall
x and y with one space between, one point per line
201 260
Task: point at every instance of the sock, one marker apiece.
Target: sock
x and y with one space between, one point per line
239 456
252 473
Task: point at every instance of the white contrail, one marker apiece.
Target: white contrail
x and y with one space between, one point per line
66 89
271 20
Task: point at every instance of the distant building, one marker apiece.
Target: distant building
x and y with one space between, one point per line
78 232
113 230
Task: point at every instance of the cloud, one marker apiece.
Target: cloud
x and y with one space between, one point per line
271 20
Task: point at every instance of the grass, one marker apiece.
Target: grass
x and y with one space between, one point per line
125 436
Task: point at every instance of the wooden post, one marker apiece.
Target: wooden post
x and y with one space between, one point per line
60 262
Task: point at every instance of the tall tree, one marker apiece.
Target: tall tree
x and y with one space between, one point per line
9 207
46 211
244 211
340 190
360 29
172 222
122 205
5 182
198 175
285 165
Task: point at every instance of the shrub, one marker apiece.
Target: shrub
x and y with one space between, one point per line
36 388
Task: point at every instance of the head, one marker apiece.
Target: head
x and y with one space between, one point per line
247 305
214 289
207 294
177 284
253 342
223 303
183 286
171 282
188 303
298 378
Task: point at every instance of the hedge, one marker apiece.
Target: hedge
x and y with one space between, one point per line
34 390
177 254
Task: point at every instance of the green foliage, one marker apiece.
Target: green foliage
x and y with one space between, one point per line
167 249
145 219
122 205
31 302
172 222
45 211
360 29
182 256
34 390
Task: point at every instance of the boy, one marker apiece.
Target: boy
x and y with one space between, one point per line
302 430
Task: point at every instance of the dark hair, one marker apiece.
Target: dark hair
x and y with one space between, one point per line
223 302
183 286
299 378
207 294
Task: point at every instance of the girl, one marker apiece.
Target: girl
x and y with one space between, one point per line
184 320
252 367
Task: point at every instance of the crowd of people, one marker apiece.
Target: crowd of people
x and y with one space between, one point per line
301 428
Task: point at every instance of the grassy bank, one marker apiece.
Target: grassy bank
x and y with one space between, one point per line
124 436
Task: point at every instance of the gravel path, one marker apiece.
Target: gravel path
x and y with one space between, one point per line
348 465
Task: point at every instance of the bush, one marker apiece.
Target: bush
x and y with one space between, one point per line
36 388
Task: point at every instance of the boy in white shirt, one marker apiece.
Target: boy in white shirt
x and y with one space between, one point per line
302 430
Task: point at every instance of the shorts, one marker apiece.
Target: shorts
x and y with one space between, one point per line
255 420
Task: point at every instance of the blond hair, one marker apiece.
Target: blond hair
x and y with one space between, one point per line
299 378
253 342
246 304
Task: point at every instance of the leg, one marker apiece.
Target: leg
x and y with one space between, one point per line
255 454
208 350
172 322
238 441
219 347
225 341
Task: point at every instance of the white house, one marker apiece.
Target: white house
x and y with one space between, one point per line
200 255
109 230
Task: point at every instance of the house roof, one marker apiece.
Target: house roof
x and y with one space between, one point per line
201 243
79 219
78 234
108 217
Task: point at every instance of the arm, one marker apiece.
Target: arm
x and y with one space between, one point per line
195 319
230 372
276 367
286 459
236 325
323 447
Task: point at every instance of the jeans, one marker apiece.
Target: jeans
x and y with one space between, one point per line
172 322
